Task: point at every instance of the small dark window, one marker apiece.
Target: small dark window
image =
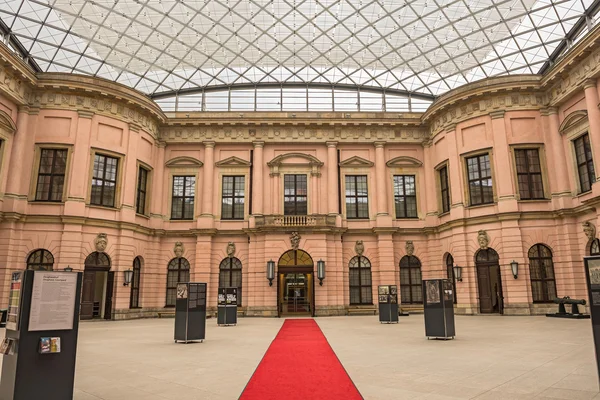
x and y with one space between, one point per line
182 205
295 195
450 273
178 272
541 268
230 275
529 174
595 248
360 281
232 206
405 196
140 205
104 181
444 189
411 290
585 162
40 260
51 175
134 296
357 197
480 180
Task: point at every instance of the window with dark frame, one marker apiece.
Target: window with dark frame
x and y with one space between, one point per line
40 260
357 197
178 272
182 202
411 281
450 273
541 269
444 189
51 175
405 196
585 162
295 195
479 173
140 205
595 247
232 206
360 281
529 174
134 296
230 275
104 181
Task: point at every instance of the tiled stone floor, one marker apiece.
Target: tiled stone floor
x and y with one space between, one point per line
491 358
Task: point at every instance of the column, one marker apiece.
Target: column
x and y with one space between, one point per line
555 154
80 161
431 204
208 189
19 151
591 103
502 179
258 188
332 178
158 180
380 178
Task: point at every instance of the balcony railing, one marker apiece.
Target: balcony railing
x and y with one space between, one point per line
295 220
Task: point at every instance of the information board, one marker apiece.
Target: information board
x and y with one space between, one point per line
14 300
52 301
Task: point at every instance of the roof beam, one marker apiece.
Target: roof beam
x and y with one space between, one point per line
17 45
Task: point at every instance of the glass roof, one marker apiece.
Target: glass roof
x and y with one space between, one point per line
421 48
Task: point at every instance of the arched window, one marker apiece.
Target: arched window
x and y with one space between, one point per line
134 297
360 281
595 248
97 260
178 271
450 273
230 275
488 255
541 268
40 260
411 291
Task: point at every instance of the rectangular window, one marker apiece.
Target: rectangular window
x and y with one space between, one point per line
479 174
140 205
232 206
405 196
585 162
104 181
51 175
444 189
529 174
295 195
184 190
357 199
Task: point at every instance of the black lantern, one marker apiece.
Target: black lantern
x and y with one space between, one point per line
457 273
127 275
68 269
514 266
321 271
270 271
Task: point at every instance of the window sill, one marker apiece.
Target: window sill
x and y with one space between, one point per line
113 208
142 215
583 193
481 205
358 219
443 214
544 200
232 219
407 218
181 220
45 202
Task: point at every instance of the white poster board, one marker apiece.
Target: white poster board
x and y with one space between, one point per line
52 301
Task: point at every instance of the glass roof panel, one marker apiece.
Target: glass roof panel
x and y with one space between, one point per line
424 47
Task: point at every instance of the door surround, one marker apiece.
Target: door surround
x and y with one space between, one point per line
95 263
489 282
295 262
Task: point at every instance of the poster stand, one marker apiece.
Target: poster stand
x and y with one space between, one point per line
40 347
190 312
438 306
592 277
388 303
227 306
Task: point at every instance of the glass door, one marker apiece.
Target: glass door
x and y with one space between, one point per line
296 293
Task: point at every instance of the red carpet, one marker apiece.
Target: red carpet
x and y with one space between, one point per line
300 365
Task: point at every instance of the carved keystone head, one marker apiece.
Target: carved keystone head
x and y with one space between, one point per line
359 247
178 249
590 230
483 239
410 248
101 242
230 249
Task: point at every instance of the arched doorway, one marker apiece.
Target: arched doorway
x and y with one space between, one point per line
489 282
295 284
97 292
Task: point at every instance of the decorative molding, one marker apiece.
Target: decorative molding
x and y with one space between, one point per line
230 249
410 248
183 161
574 121
483 239
233 162
178 249
356 161
7 123
359 248
313 162
590 230
295 240
404 161
100 242
497 114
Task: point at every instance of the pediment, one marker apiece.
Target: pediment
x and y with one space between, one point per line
296 160
184 161
404 161
233 161
573 120
356 161
7 123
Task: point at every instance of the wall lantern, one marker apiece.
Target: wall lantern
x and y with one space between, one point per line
270 271
68 269
514 266
457 273
321 271
127 275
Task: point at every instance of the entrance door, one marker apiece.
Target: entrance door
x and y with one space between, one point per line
489 282
295 293
97 288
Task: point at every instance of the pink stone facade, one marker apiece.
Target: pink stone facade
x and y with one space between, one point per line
90 116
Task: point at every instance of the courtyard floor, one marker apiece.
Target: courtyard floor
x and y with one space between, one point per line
491 358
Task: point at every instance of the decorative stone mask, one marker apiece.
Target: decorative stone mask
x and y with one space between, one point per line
483 239
101 242
178 249
589 230
230 249
410 248
359 247
295 240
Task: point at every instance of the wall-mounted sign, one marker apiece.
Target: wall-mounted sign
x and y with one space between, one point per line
52 301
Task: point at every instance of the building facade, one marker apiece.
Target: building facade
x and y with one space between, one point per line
95 177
